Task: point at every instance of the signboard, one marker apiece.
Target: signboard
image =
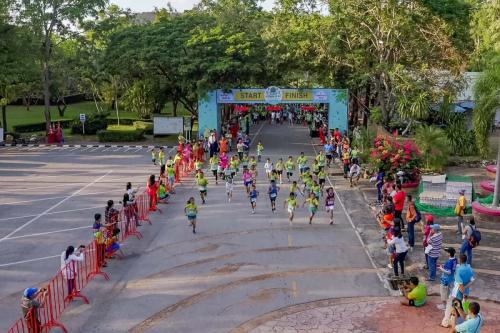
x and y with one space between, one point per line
272 95
168 125
83 117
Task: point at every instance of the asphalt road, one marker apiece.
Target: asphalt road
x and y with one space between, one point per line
237 267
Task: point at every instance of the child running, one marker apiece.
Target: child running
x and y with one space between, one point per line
191 210
313 206
292 205
202 186
214 167
289 166
330 202
153 156
253 198
273 194
279 169
254 173
316 189
268 166
322 178
260 149
302 163
247 179
229 188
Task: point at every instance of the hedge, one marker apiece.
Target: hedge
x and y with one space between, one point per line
120 136
95 122
144 125
40 126
123 121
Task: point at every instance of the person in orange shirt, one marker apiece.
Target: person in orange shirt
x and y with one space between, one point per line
224 145
386 220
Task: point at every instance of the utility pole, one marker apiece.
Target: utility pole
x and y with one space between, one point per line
496 197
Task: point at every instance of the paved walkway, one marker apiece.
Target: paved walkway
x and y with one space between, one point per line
359 315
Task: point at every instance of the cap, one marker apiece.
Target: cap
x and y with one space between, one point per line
436 227
29 292
429 218
450 250
462 191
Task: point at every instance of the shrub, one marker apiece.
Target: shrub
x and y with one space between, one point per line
40 126
120 135
146 126
462 140
95 122
392 156
123 121
434 145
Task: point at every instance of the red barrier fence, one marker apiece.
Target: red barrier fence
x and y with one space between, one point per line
71 279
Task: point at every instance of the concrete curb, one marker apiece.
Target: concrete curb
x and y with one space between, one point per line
83 146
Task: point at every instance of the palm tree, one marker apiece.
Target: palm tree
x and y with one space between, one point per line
487 95
434 145
413 107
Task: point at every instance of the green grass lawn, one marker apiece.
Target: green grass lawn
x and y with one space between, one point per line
17 115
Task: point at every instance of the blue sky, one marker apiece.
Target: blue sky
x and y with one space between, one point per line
149 5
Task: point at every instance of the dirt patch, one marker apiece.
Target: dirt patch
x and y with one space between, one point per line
230 268
208 248
267 294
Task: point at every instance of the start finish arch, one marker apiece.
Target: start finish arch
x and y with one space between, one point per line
209 113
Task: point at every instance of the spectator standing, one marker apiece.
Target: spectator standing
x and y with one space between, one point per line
32 300
399 203
99 231
464 278
412 216
379 184
401 251
69 259
460 211
426 230
434 250
447 277
467 240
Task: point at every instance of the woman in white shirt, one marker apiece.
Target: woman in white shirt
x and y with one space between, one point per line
401 251
69 260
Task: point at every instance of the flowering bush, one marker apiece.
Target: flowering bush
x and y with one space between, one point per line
393 156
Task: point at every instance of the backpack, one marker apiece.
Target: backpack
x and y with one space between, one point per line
475 238
418 217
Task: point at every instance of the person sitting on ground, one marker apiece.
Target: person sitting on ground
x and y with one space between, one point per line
473 319
163 194
415 294
32 300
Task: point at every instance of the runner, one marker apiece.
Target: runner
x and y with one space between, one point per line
316 189
244 162
253 198
321 158
198 165
228 173
315 167
322 178
330 202
202 186
161 156
273 194
329 152
294 188
229 188
292 205
308 183
252 162
269 167
214 167
240 148
313 206
153 156
191 210
290 166
234 164
260 149
279 169
247 179
302 163
171 177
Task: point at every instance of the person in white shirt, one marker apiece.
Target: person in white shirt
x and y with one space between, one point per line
268 166
401 251
354 172
69 259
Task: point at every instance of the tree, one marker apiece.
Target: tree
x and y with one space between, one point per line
140 98
49 19
434 145
486 32
487 96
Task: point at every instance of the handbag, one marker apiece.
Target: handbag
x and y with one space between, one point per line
428 249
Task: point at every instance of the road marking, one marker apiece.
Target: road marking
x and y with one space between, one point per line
52 207
256 135
365 248
61 197
51 213
29 260
48 232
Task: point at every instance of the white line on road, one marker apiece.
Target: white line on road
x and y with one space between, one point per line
54 206
61 197
365 248
52 213
29 260
48 232
256 135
